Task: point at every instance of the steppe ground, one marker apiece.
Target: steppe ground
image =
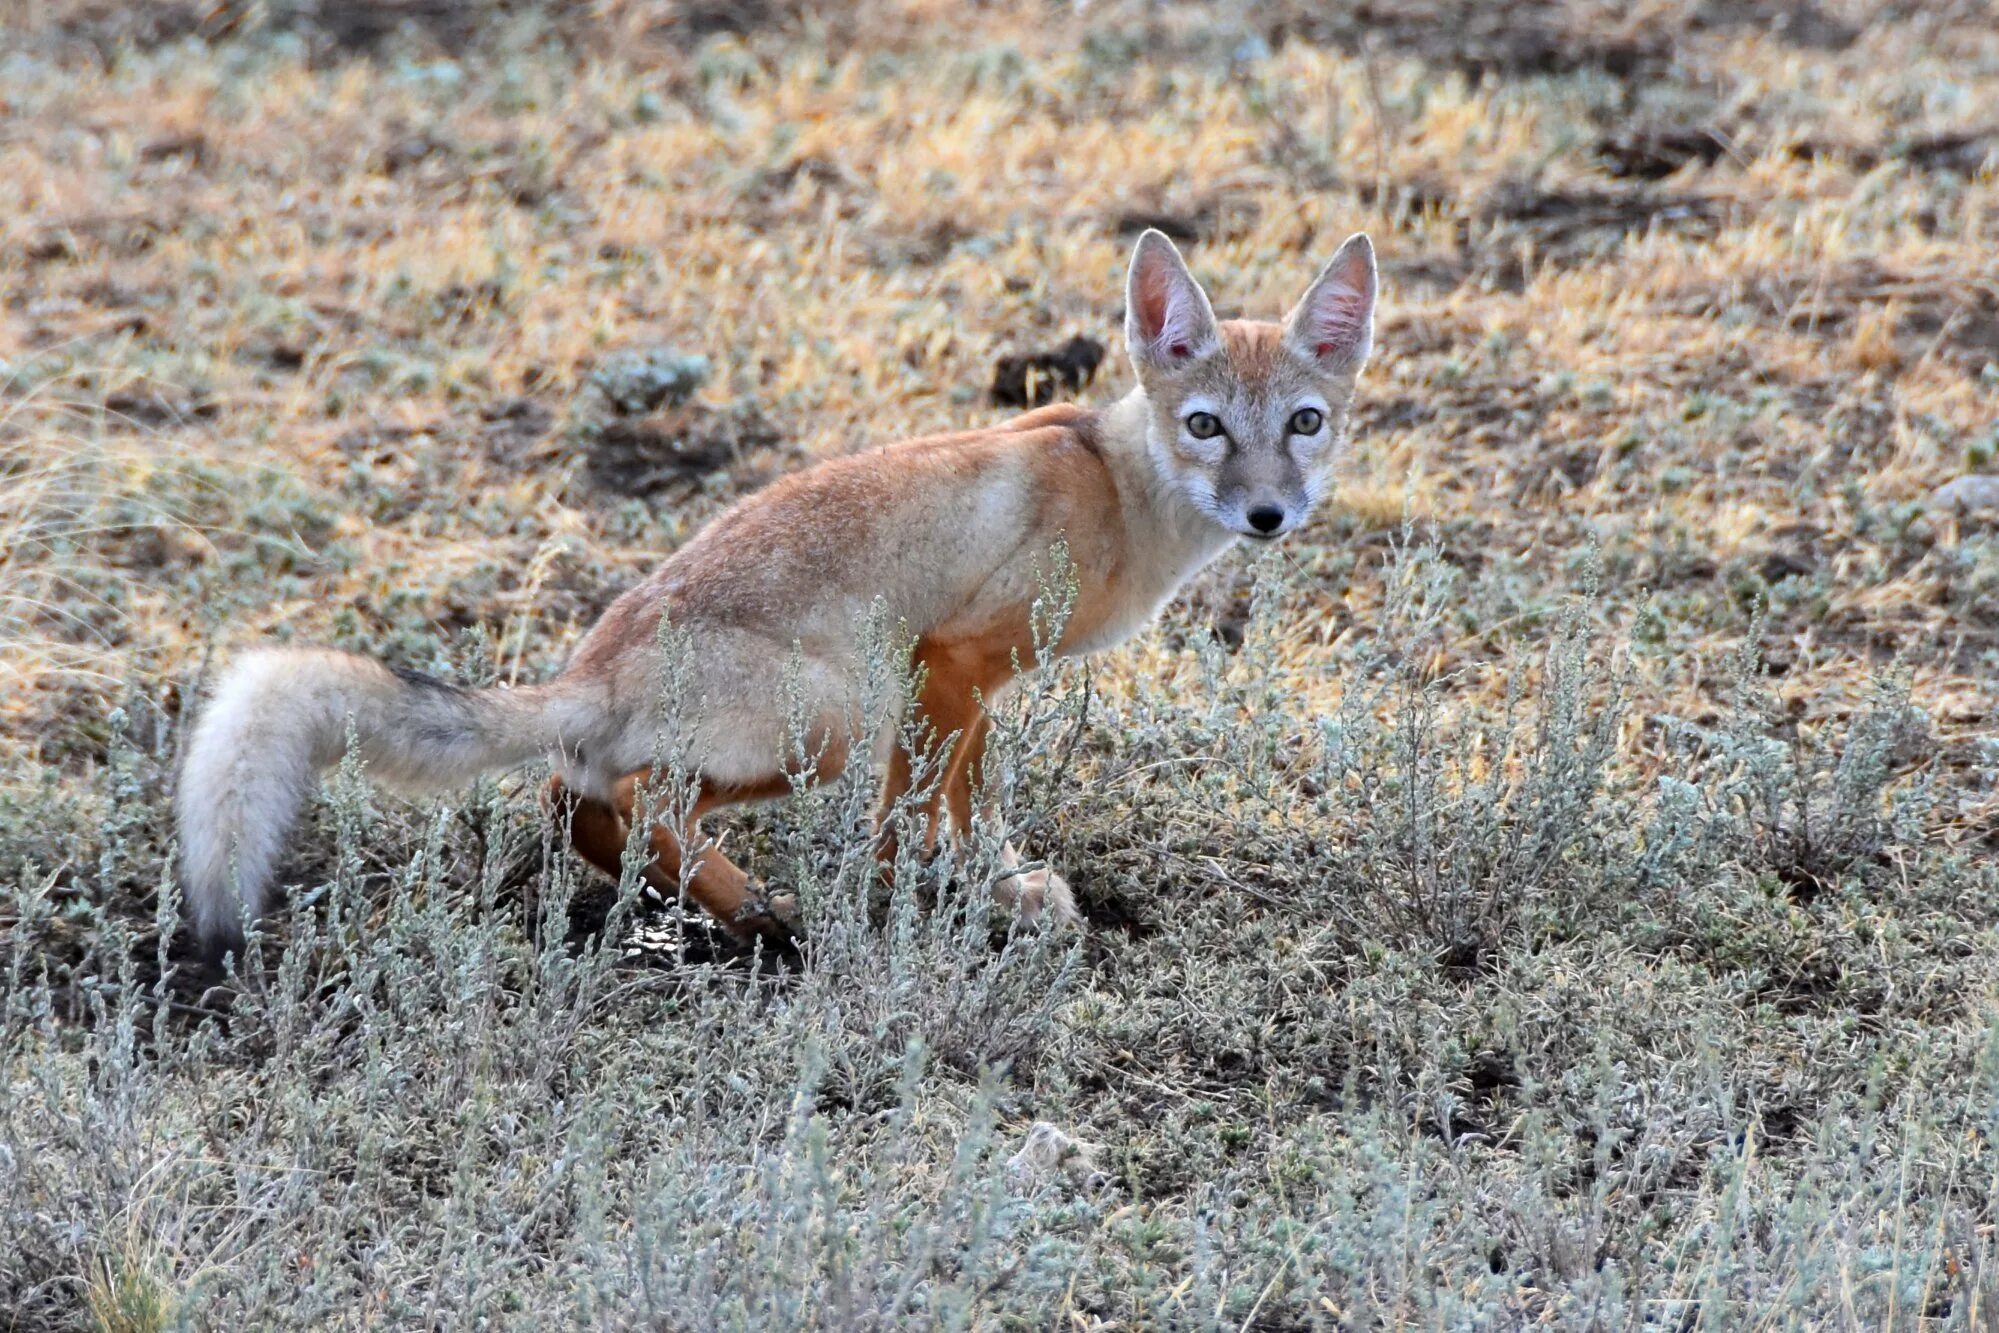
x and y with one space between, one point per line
1559 888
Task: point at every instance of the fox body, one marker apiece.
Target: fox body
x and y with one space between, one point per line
1230 433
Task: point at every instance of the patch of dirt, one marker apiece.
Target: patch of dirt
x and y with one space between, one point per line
1653 153
1966 331
332 27
1034 378
514 427
931 245
191 148
1934 313
352 26
1560 214
1373 416
1963 152
1220 606
109 26
123 234
378 443
1119 913
1572 226
1466 958
694 21
1207 220
1780 563
675 447
1489 1072
286 357
1553 473
408 151
1185 228
1410 198
145 407
821 175
1543 38
1966 152
1798 23
1436 275
1478 39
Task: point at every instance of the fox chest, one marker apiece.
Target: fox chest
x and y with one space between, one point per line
1132 599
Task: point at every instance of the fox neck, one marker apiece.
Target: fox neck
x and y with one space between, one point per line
1166 539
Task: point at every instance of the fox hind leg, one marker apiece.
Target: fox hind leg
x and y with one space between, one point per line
599 832
593 827
719 885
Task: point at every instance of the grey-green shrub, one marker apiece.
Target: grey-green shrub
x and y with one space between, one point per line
1389 1015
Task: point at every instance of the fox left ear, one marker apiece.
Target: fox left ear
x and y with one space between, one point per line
1333 323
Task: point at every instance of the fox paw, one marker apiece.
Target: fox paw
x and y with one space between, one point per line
773 917
1037 892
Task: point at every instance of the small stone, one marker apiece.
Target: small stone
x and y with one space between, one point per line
1251 50
1049 1154
643 379
1966 494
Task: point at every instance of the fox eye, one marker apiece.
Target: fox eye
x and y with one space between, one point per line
1307 420
1204 425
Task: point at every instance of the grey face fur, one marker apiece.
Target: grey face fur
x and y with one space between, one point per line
1247 417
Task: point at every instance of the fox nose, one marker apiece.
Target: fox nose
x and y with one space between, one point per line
1266 518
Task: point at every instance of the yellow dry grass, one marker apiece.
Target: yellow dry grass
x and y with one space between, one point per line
262 312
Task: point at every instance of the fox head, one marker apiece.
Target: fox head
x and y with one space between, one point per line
1246 417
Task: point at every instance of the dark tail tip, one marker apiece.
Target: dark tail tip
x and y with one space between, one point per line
216 948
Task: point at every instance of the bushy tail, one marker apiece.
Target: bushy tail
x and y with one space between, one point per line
280 717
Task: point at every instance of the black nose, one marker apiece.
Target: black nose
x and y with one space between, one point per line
1266 518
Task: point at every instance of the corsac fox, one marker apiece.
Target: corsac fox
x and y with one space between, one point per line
1231 432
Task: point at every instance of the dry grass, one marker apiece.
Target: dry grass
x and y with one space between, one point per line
300 308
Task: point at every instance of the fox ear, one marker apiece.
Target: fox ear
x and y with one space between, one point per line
1333 323
1167 319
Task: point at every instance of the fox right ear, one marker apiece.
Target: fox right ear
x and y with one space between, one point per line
1167 319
